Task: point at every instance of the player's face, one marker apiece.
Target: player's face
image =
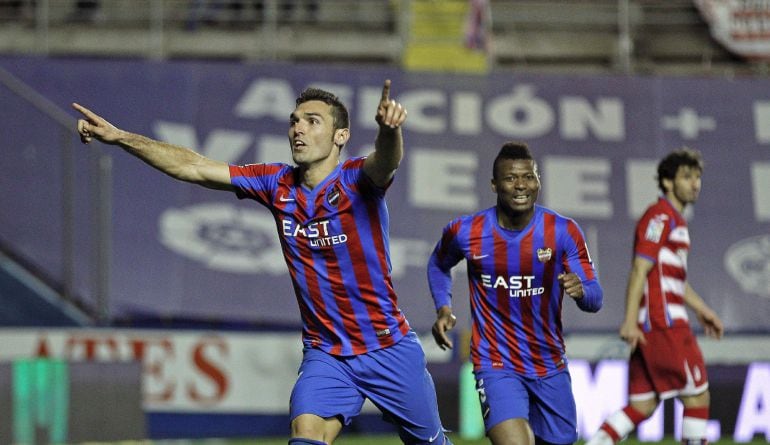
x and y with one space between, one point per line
311 133
686 185
517 185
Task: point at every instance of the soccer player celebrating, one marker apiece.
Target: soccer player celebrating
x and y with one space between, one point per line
521 258
332 221
666 360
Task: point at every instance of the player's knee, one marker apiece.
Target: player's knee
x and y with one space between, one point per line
699 400
644 407
308 428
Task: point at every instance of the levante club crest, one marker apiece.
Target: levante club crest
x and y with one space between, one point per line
544 254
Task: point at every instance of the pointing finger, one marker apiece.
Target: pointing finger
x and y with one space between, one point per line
85 111
385 91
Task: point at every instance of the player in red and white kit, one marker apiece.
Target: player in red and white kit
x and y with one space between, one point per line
666 360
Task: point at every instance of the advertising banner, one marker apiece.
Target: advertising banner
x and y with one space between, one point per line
225 384
179 250
743 27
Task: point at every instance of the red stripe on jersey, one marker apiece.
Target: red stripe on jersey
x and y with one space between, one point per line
346 312
337 286
504 303
580 243
314 291
553 339
364 281
354 164
672 271
254 170
375 227
475 340
526 304
669 223
477 228
655 298
337 282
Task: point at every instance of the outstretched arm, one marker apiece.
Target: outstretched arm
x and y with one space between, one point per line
178 162
381 165
710 321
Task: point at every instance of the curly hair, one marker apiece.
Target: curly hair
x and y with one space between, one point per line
669 165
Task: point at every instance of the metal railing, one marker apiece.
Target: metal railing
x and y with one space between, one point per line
100 223
608 35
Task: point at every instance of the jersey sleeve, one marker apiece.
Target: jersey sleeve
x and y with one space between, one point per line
578 260
255 181
353 175
445 256
651 232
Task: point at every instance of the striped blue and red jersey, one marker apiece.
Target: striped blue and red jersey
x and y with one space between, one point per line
662 237
516 298
335 242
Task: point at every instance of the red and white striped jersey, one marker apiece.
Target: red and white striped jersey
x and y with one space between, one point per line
662 237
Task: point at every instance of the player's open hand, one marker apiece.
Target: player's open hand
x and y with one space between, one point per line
571 284
94 126
445 321
390 114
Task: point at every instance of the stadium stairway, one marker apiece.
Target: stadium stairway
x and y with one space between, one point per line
27 301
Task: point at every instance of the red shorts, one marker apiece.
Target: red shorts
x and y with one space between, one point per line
670 364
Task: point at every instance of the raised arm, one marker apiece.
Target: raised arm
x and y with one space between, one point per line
381 164
178 162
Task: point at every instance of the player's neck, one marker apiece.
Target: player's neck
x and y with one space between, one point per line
514 220
678 205
314 173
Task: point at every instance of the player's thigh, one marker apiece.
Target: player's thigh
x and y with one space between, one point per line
511 432
674 363
502 395
397 381
553 414
325 389
640 384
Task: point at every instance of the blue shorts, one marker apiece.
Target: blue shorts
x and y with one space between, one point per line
547 403
395 379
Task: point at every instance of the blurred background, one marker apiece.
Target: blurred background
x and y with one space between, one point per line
136 307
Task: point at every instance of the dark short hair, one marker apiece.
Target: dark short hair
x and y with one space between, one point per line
669 165
512 150
339 111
